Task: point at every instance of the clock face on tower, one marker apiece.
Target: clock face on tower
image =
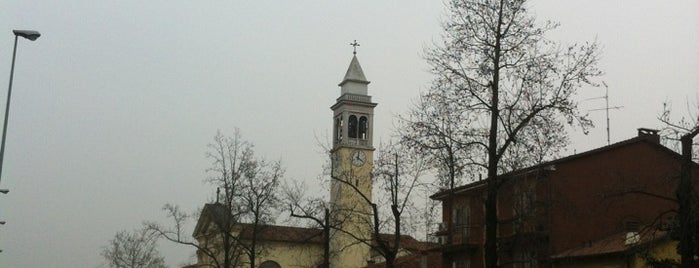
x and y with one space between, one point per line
358 158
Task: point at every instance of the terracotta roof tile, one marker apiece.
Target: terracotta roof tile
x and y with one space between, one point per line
610 245
302 234
284 233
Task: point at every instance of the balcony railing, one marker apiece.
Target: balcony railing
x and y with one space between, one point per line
354 97
462 235
459 235
354 142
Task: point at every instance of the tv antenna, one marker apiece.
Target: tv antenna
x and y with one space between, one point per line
606 106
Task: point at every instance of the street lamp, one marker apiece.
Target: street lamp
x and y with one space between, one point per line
31 35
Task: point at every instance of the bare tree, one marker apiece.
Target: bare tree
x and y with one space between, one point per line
260 198
314 209
674 128
217 244
435 127
245 199
515 86
135 249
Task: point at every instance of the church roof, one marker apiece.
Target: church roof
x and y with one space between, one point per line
216 213
283 233
354 73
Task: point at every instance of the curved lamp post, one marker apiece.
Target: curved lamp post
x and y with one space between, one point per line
31 35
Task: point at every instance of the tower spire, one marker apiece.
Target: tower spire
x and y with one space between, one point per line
354 81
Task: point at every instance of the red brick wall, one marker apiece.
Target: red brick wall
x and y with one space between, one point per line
583 198
586 194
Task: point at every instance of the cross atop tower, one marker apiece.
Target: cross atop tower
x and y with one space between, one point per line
354 45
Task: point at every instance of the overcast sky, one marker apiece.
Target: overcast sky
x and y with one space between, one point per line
112 108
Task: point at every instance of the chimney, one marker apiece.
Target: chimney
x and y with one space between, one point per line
649 134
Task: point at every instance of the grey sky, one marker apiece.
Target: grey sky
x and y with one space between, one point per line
113 106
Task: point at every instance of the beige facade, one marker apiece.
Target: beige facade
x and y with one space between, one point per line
284 246
292 254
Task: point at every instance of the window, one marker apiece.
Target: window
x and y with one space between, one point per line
461 216
338 129
352 127
456 216
363 126
461 219
526 201
269 264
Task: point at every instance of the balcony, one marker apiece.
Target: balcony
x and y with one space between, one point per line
461 237
464 235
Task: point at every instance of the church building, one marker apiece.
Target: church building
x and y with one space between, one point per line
350 199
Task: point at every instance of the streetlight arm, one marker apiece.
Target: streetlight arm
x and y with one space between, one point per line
29 34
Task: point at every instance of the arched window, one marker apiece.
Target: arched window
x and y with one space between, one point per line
363 126
338 129
352 127
270 264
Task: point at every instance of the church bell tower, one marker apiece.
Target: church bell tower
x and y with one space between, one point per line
352 161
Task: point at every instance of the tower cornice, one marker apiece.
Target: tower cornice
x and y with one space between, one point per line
355 100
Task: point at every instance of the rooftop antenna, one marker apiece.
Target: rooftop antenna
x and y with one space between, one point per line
606 107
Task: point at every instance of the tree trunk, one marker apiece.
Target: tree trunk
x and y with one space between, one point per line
391 256
491 218
390 261
253 246
491 222
326 240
